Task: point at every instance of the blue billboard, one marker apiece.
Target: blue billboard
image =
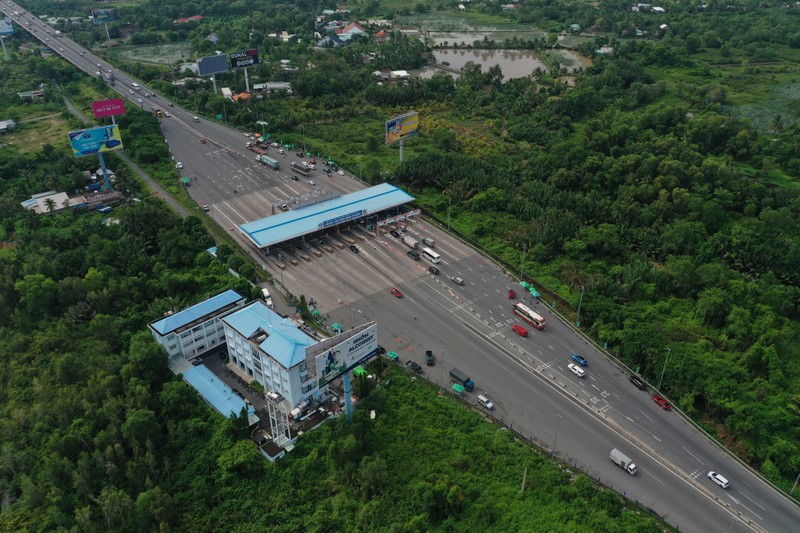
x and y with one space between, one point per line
6 26
95 140
206 66
104 16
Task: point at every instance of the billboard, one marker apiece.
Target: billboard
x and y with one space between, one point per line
245 58
95 140
344 352
106 108
206 66
104 16
6 26
401 127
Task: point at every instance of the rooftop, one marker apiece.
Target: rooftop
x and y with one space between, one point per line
217 393
195 313
275 335
291 224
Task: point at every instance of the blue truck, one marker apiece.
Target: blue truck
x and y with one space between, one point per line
462 379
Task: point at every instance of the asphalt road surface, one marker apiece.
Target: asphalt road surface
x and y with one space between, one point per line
468 327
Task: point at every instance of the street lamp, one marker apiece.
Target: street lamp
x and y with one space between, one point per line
555 440
578 319
522 264
664 369
449 203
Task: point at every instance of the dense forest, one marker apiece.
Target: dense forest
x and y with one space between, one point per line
638 182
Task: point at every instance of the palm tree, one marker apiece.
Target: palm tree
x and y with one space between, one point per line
777 124
50 204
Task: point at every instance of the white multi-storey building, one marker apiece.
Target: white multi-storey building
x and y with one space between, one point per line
197 329
271 349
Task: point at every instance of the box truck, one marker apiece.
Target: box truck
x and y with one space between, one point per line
623 461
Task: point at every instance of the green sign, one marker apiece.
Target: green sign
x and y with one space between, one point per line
219 117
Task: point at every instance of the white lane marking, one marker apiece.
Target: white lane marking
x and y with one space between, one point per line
550 347
690 453
659 440
645 414
749 498
629 418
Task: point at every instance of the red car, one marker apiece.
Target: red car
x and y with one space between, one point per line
519 330
660 400
396 292
511 294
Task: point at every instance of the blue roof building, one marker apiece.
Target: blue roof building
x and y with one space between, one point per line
271 349
196 330
328 214
218 394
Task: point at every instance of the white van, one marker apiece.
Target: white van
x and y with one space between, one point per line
719 479
195 119
486 402
427 241
135 86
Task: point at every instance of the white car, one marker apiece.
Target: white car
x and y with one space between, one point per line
485 401
312 167
60 49
312 182
719 479
166 114
179 166
575 369
141 101
341 172
130 91
274 145
304 163
281 151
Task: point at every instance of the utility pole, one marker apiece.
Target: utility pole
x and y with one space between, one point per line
578 319
664 369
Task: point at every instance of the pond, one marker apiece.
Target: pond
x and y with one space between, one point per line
513 63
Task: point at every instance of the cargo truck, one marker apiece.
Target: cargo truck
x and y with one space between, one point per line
462 379
623 461
257 149
264 160
411 243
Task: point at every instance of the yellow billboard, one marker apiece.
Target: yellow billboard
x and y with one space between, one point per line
401 127
95 140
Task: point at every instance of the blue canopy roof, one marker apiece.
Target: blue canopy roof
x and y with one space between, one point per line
291 224
216 392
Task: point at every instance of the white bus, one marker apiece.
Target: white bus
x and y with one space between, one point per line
430 255
529 315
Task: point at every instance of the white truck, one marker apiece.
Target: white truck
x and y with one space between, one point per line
623 461
411 243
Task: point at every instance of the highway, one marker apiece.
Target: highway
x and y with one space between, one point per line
468 327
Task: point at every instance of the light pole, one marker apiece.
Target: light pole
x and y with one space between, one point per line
303 125
578 319
449 203
664 369
522 264
555 440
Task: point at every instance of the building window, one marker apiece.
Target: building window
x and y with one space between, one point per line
172 347
302 367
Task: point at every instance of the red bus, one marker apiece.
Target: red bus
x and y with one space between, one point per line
528 315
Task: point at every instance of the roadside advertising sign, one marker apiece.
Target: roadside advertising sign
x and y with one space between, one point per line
401 127
104 16
95 140
107 108
337 355
206 66
245 58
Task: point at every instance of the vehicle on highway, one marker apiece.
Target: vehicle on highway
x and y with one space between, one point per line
274 145
511 294
719 479
312 167
354 248
312 182
396 292
281 151
485 401
166 114
519 330
393 356
414 366
294 178
661 401
141 101
341 172
130 91
429 359
431 256
304 163
179 166
205 207
195 119
60 49
623 461
433 270
529 315
413 254
580 359
462 379
395 234
637 382
575 369
457 280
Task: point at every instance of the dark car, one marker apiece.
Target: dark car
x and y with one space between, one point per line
429 359
381 349
579 359
395 234
354 248
294 178
433 270
637 382
414 366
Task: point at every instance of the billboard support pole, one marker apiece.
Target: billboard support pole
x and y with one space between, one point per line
5 52
108 35
402 141
246 81
107 184
214 81
348 407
